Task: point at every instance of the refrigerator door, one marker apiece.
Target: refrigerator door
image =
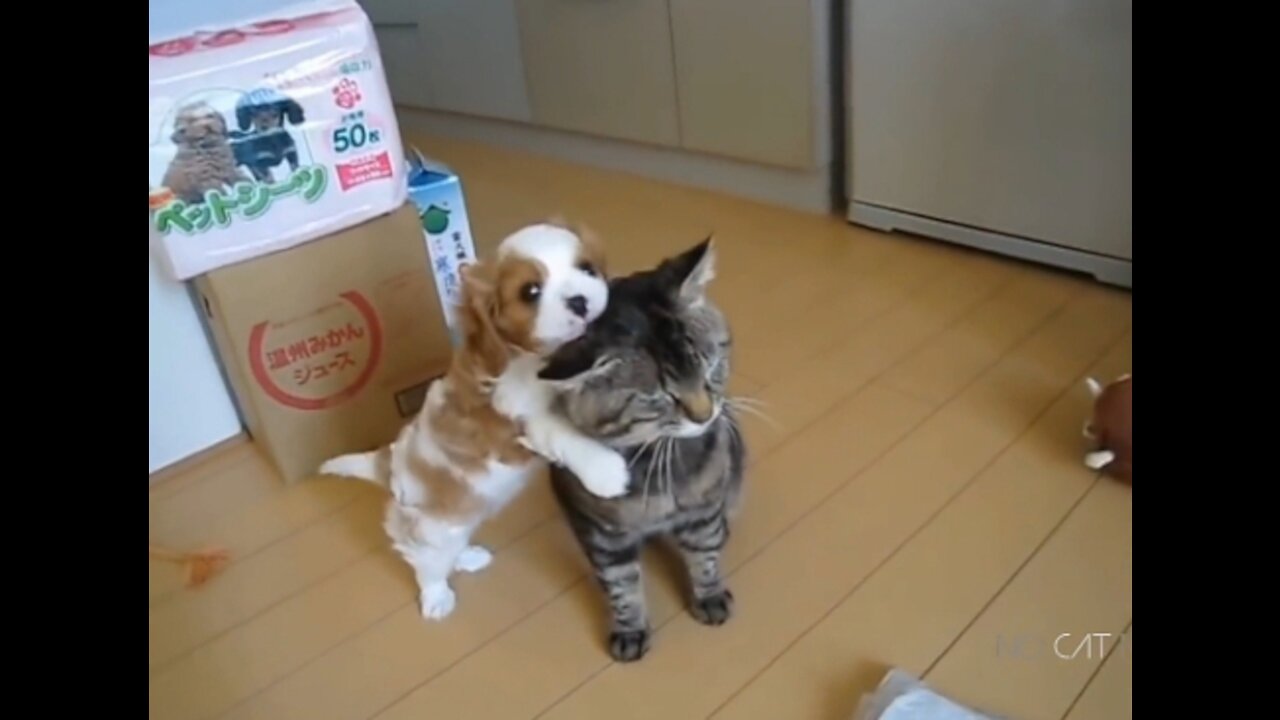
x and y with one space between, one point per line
1000 117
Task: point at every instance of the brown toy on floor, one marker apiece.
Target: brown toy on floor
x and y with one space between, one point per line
201 565
1111 428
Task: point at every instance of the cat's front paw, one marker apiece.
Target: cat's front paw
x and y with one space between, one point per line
604 474
713 609
628 645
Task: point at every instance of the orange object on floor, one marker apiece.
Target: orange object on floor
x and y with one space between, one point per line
201 564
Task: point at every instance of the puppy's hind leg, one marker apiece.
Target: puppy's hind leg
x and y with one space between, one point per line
432 565
433 549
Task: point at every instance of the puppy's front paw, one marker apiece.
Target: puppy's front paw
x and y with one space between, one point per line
437 601
605 474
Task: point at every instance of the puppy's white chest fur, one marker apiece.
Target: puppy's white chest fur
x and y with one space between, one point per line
501 482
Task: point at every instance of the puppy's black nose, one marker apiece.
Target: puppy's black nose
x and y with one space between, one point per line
577 305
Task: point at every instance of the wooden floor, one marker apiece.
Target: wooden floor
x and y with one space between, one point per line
920 503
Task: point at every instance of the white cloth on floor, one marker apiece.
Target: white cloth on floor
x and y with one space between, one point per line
903 697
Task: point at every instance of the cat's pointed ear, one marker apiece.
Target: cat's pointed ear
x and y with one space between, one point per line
692 270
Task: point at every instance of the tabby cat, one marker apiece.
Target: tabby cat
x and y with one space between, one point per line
648 379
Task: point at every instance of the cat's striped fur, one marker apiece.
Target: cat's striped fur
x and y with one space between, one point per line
649 380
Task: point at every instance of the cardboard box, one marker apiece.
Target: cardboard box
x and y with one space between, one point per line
266 134
329 345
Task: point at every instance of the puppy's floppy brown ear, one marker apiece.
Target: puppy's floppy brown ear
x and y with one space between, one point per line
479 307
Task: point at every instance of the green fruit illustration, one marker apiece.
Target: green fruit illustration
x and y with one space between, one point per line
435 220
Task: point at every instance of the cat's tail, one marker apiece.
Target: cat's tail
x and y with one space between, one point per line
373 467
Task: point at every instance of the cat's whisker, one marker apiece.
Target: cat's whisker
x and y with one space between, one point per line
640 453
680 462
757 412
656 443
736 433
748 400
666 465
660 448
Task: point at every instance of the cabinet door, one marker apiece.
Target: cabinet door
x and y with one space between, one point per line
401 51
391 12
470 58
461 56
601 66
745 70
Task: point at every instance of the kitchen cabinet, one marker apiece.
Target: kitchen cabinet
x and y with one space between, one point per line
746 80
603 68
460 56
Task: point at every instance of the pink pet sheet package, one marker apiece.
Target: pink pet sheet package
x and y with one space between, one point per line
269 133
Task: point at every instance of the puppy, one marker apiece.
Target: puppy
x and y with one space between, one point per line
204 160
477 440
262 141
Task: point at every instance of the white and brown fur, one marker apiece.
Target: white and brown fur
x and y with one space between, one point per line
483 426
1110 428
204 160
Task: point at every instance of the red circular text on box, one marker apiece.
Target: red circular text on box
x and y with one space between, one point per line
321 359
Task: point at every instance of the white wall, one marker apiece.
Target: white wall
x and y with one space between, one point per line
188 406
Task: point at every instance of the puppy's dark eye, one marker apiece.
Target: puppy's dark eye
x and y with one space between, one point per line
530 292
586 267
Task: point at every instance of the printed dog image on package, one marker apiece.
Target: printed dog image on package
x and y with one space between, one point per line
266 136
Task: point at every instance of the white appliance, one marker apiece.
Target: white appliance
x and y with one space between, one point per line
1000 124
